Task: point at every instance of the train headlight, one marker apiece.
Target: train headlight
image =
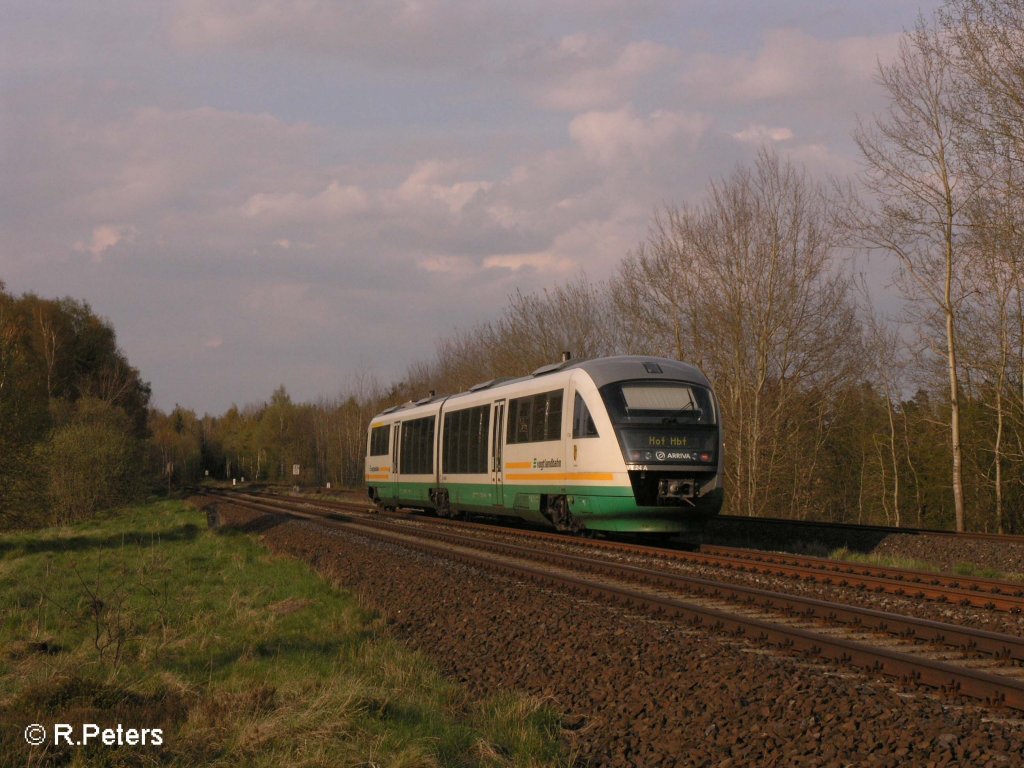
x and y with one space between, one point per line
705 457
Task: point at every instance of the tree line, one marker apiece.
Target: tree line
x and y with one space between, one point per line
73 413
832 410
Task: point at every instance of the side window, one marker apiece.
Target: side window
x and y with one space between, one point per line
582 423
379 441
417 454
535 418
519 418
465 440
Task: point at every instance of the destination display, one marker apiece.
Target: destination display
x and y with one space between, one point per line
669 446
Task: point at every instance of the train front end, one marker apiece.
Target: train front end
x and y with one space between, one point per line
665 419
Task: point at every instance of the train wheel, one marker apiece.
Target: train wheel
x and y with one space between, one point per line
443 505
558 513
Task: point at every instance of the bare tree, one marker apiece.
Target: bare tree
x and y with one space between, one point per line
651 296
534 329
987 39
745 285
883 346
917 168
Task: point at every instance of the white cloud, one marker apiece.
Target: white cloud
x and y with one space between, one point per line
790 62
335 200
425 183
755 133
546 263
609 137
103 238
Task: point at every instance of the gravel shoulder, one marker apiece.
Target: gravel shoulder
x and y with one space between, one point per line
644 692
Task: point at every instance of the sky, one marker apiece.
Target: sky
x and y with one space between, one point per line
261 192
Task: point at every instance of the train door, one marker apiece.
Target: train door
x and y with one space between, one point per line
395 432
497 451
580 449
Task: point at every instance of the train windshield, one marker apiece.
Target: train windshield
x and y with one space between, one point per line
658 403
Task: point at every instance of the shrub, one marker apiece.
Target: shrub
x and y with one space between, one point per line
94 462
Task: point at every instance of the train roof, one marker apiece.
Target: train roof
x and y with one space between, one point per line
602 370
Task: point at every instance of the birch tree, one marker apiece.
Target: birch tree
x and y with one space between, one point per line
917 169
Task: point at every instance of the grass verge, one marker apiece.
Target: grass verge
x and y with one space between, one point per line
148 620
909 563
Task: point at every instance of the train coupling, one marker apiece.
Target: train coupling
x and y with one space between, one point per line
674 491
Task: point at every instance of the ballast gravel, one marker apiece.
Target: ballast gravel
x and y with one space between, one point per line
636 691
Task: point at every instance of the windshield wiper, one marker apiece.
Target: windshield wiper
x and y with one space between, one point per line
689 411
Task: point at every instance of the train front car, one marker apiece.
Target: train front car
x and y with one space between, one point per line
667 445
618 444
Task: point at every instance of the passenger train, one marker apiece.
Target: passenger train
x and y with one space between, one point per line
625 444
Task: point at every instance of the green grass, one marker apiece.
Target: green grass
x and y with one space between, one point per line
148 619
889 561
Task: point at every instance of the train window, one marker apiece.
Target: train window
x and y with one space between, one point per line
582 422
378 441
643 402
417 454
535 418
464 449
655 398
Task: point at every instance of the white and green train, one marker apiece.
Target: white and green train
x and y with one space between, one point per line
622 444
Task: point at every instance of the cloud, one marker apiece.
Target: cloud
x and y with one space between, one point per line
445 264
541 262
609 137
755 133
584 71
333 201
389 34
103 238
789 63
426 183
152 158
282 170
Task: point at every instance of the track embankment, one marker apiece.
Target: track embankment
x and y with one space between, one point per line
642 691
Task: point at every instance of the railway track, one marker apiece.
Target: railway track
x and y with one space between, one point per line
951 658
859 528
990 594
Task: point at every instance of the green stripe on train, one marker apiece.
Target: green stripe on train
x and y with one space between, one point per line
601 508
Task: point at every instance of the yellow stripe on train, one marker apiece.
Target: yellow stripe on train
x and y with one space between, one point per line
606 477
